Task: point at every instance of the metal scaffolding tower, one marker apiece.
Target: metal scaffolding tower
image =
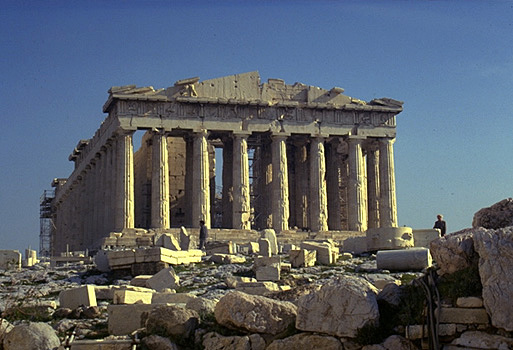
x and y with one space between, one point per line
46 223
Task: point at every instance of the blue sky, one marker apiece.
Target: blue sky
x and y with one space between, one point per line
451 62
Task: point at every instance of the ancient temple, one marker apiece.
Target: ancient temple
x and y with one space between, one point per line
293 157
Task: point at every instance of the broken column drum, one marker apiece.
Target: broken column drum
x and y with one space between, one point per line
293 156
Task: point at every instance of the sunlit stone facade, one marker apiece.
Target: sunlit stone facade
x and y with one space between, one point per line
294 157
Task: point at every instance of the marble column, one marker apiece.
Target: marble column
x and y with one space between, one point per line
103 193
333 175
357 186
227 175
388 210
97 209
280 185
124 210
373 190
200 180
241 200
301 205
109 193
159 182
318 196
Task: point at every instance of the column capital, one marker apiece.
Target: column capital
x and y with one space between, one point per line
200 132
241 133
386 140
279 135
355 138
319 136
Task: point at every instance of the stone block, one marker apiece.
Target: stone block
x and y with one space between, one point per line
107 292
10 260
404 259
232 281
287 247
265 260
257 288
273 241
415 331
285 267
102 344
219 247
30 258
168 241
469 302
81 296
125 296
172 298
463 315
121 259
164 279
254 248
302 257
268 273
140 281
422 238
101 260
185 239
264 247
383 238
124 319
323 249
164 255
355 245
218 258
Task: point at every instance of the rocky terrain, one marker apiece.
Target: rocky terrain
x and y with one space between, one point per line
463 302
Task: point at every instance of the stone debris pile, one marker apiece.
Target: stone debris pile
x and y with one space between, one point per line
270 294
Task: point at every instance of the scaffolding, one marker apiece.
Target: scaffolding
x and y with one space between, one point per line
46 223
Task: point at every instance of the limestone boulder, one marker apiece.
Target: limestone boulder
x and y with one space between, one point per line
172 321
255 313
164 279
495 249
5 327
202 306
156 342
307 341
397 342
214 341
31 336
339 308
496 216
455 251
481 340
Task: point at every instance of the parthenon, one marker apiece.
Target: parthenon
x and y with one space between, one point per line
293 157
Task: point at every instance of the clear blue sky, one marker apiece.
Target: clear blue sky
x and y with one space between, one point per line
451 62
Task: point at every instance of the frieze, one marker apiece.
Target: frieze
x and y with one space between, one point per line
229 111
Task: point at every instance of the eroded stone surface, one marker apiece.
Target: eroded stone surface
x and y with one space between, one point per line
306 341
496 216
31 336
171 320
339 308
255 313
455 251
495 249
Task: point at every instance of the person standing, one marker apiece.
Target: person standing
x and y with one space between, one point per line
440 224
203 235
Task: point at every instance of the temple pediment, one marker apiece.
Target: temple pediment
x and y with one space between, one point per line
247 89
